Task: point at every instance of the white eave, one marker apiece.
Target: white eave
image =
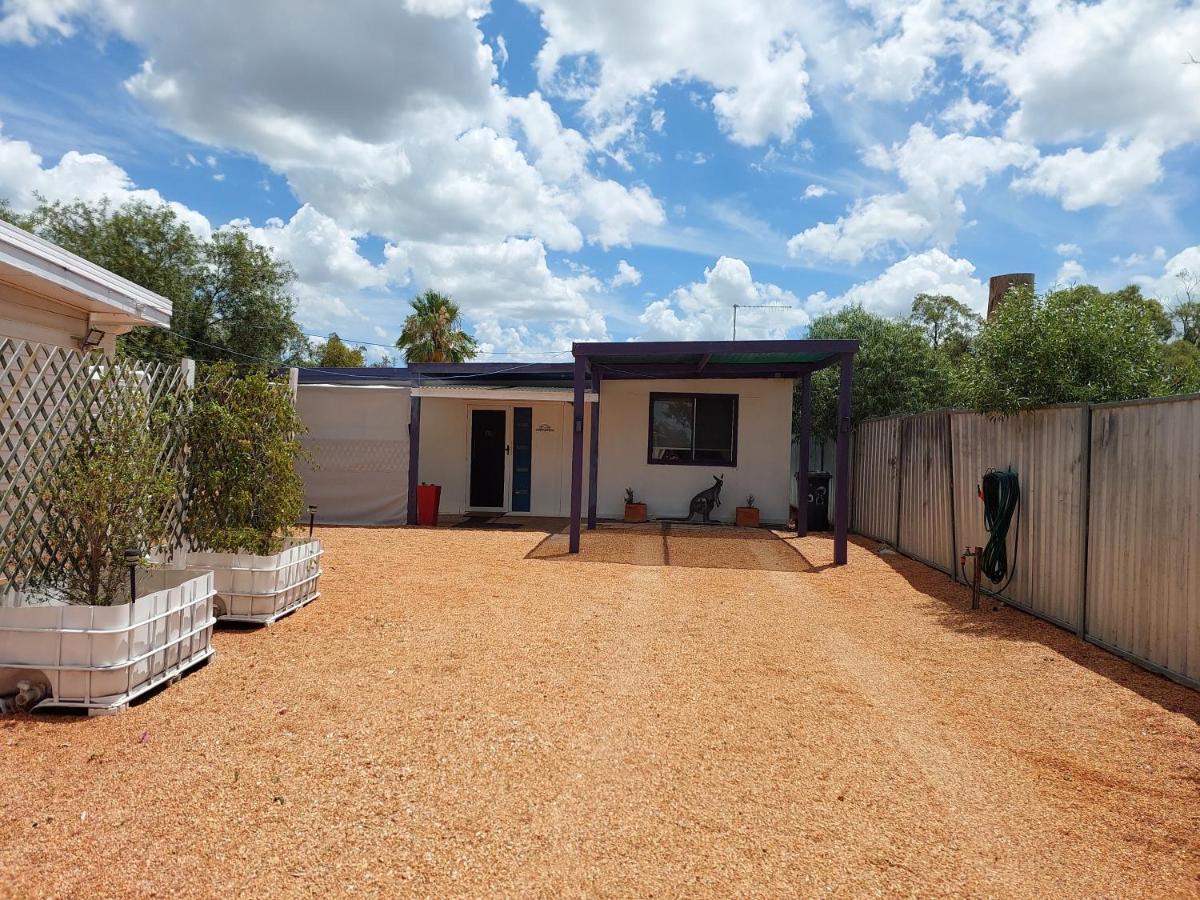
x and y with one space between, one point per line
35 265
501 393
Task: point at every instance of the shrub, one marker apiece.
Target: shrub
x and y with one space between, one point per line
111 490
243 491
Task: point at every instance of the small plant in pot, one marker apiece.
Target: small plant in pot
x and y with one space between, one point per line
747 516
114 628
244 495
635 510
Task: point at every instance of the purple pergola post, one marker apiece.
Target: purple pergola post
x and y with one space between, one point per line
805 451
414 455
594 453
577 453
841 522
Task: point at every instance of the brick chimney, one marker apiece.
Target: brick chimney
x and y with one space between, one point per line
999 284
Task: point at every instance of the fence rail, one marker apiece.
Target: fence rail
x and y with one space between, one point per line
1107 542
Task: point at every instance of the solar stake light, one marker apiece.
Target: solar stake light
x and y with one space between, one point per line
133 556
312 517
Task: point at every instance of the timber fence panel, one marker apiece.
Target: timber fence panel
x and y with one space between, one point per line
875 485
1045 448
926 525
1143 572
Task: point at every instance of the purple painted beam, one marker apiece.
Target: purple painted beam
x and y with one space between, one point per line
805 451
414 455
577 453
625 371
655 348
841 521
594 454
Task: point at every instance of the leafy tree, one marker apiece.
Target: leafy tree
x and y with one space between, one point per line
384 362
243 490
1072 345
433 332
949 324
896 369
1183 367
337 354
231 296
1131 295
107 493
1186 310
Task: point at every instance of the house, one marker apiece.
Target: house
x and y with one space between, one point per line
662 419
50 296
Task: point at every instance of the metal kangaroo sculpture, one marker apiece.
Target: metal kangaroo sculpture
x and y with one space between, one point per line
707 500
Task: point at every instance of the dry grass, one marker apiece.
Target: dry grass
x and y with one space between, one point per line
454 717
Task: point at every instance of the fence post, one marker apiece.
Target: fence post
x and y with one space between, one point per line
950 471
1085 480
900 448
187 368
294 383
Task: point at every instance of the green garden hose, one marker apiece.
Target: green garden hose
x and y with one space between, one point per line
1001 494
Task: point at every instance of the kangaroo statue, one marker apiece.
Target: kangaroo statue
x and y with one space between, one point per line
707 500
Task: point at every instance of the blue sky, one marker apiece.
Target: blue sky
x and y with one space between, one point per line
621 170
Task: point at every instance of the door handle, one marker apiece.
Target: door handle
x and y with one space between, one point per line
506 449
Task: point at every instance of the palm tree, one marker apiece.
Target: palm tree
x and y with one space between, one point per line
433 333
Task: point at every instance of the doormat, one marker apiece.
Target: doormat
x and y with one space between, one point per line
485 522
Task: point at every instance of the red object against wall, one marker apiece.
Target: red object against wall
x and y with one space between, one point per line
429 498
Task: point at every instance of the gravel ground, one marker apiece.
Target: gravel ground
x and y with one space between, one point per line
471 712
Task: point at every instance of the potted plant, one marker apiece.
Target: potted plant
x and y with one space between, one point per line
96 628
635 510
747 516
244 496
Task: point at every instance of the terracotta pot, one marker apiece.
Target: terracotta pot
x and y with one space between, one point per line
635 512
747 517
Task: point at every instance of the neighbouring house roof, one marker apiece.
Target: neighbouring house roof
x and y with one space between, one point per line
40 267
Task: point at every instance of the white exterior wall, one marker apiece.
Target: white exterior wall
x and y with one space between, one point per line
763 449
30 317
444 459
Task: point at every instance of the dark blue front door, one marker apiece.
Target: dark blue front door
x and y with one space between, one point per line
522 474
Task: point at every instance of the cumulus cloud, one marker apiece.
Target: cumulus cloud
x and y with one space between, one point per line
1070 272
1068 250
891 292
814 191
77 176
1106 176
934 171
625 274
28 21
703 310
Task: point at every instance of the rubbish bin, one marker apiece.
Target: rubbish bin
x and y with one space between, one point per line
818 501
429 498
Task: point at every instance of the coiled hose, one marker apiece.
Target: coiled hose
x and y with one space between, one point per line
1001 494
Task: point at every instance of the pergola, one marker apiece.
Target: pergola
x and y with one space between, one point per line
717 359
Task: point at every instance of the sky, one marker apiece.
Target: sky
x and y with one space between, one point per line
621 170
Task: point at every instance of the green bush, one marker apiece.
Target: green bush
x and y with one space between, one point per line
108 492
243 491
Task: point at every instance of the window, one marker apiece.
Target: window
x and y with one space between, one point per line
693 429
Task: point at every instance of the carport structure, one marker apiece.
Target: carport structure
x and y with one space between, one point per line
791 359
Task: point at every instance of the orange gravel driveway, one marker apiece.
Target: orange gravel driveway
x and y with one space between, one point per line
678 712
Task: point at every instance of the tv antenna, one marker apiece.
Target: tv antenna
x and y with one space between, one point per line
738 306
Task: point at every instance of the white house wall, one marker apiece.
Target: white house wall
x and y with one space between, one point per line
763 449
444 455
30 317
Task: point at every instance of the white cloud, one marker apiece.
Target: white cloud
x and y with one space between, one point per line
1106 176
703 310
814 191
28 21
1070 272
501 51
934 170
1168 286
900 63
891 293
658 120
966 114
1068 250
77 176
612 54
626 274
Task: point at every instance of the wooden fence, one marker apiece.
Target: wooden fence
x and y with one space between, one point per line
1107 543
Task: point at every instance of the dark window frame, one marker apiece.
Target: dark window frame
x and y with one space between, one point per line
731 463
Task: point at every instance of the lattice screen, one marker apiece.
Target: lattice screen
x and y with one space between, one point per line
47 394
